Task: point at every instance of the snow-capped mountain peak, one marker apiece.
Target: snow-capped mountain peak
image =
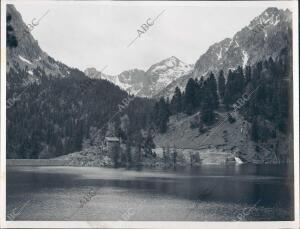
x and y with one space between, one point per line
169 63
149 83
264 37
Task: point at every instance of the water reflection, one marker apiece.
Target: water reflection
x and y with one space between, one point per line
243 184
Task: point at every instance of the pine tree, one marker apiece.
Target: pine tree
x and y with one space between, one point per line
247 74
240 78
221 85
190 96
155 114
163 115
207 107
234 88
148 143
212 87
124 126
176 102
199 92
254 130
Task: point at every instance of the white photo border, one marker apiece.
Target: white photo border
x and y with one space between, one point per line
152 224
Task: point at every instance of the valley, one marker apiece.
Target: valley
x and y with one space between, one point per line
160 139
175 108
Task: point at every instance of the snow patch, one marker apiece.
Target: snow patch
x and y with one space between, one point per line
220 54
171 63
30 72
134 91
38 59
122 85
237 44
266 21
277 21
245 58
204 73
25 60
159 68
226 49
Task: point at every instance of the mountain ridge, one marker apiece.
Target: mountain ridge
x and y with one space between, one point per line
53 109
27 54
265 36
145 83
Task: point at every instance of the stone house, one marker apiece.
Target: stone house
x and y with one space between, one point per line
111 142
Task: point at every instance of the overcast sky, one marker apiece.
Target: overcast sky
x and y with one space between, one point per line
98 35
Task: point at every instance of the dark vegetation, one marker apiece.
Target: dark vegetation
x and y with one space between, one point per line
11 40
54 116
261 93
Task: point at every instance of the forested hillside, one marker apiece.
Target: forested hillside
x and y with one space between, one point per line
265 36
261 93
54 110
53 117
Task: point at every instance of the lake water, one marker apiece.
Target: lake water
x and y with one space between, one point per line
208 193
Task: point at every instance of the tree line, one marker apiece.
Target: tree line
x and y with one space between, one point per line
55 116
267 85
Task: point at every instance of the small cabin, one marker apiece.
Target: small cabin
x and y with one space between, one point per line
111 142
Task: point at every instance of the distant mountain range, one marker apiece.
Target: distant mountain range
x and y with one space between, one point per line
29 57
149 83
62 107
265 36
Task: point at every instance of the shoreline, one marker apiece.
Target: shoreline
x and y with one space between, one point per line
62 162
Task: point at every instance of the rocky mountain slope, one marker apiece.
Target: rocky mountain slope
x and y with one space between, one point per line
265 36
132 80
223 141
149 83
63 109
27 55
53 109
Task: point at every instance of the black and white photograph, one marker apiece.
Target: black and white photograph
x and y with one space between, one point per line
149 114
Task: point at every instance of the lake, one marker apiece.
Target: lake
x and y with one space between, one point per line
208 193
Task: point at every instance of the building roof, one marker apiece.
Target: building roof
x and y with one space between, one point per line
112 139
